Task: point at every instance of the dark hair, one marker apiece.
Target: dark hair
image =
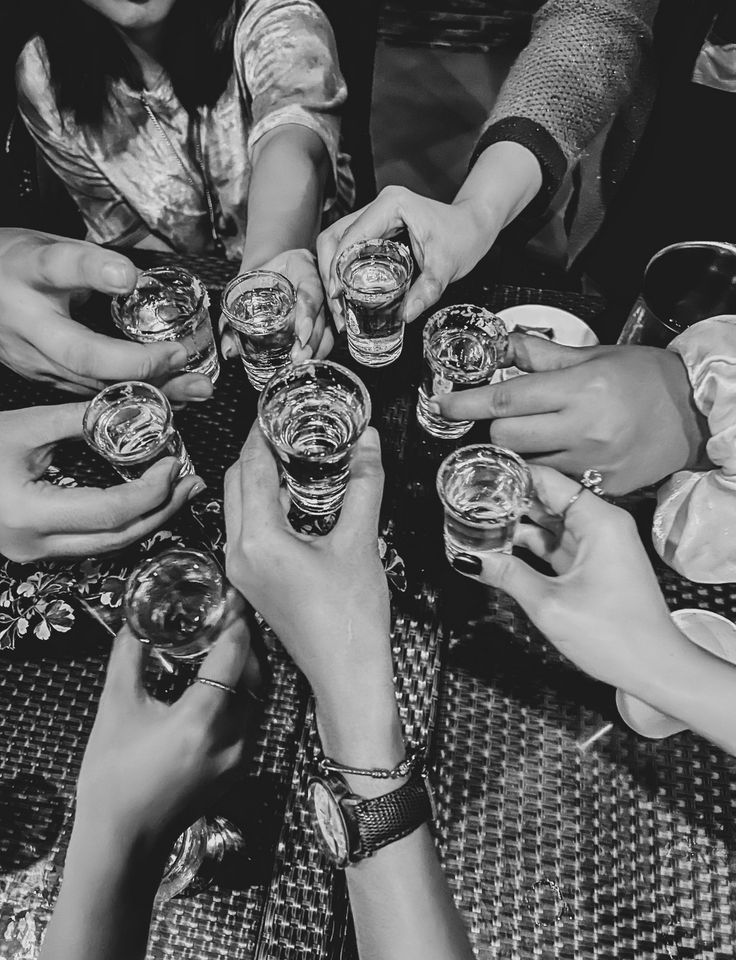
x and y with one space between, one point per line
85 52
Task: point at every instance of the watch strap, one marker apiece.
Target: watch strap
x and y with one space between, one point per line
383 820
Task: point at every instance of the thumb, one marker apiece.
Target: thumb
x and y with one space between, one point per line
506 572
63 266
125 668
105 359
534 354
425 292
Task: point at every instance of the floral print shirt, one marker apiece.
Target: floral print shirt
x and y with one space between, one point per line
124 176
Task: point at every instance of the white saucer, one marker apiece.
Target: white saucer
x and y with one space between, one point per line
568 329
708 630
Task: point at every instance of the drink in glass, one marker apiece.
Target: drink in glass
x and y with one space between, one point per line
375 275
170 303
131 425
484 490
185 860
312 415
463 346
260 307
177 602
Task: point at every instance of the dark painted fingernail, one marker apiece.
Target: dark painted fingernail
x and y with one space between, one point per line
467 563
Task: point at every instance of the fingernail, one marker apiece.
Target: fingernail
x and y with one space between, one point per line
413 309
334 291
201 390
198 488
434 407
467 563
178 357
118 276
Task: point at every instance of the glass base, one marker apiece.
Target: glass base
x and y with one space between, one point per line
376 353
439 426
454 547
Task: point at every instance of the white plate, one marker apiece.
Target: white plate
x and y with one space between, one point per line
706 629
567 329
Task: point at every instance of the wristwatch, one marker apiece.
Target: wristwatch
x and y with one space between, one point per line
351 828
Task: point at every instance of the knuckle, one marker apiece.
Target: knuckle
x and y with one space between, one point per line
394 193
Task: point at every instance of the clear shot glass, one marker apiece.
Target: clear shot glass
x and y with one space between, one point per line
177 602
260 308
313 415
484 490
463 346
375 276
170 303
131 425
185 860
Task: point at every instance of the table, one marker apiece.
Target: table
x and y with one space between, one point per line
562 833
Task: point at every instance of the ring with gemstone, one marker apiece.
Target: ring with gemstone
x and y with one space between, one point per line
592 480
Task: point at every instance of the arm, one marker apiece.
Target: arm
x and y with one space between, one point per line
694 523
579 67
336 627
149 770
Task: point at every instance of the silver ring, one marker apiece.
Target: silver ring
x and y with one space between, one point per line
218 686
592 480
573 499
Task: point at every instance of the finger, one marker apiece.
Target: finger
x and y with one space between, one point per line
317 334
188 387
38 426
362 505
534 434
510 574
104 359
532 353
125 668
63 266
540 541
555 491
325 345
229 343
426 290
259 485
105 541
91 509
224 663
327 243
520 397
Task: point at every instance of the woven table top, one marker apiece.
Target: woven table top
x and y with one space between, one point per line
562 833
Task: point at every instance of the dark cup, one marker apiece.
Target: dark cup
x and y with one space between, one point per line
683 283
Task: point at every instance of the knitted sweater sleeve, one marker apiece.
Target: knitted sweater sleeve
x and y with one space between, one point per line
578 69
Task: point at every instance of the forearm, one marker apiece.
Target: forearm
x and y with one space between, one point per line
104 908
692 685
503 181
286 194
400 901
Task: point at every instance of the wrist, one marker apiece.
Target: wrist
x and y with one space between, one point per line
504 180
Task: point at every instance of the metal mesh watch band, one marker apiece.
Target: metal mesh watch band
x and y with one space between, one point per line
385 819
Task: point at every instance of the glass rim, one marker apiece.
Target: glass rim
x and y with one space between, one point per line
502 453
88 423
268 274
439 315
293 370
401 250
150 561
116 305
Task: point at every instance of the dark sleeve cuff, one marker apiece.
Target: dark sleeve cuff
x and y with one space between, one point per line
540 142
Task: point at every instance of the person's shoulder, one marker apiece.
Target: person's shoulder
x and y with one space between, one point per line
251 11
32 78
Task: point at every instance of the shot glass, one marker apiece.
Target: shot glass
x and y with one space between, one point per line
170 303
260 307
177 601
313 414
131 425
484 490
463 346
185 860
375 275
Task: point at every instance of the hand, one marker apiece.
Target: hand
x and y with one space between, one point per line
39 276
604 610
325 597
625 411
314 338
38 519
150 769
447 240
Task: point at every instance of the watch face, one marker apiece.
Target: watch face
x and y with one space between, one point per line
328 822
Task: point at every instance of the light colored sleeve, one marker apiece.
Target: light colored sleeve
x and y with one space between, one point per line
695 522
108 217
288 69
